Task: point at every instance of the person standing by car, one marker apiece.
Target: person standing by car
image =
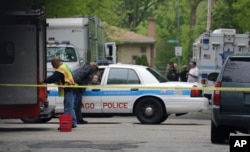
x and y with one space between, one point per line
183 74
172 74
83 77
193 73
63 76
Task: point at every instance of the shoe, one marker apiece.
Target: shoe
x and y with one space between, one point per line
82 122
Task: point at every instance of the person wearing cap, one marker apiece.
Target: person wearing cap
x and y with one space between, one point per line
183 74
83 76
193 74
63 76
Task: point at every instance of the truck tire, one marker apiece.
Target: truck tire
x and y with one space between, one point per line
36 120
149 111
218 133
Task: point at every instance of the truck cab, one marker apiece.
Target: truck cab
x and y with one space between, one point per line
67 52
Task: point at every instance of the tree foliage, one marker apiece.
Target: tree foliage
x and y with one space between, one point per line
224 15
242 15
142 60
133 12
189 15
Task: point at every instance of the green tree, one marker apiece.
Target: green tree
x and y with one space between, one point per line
142 60
133 12
138 61
242 16
226 14
191 23
68 8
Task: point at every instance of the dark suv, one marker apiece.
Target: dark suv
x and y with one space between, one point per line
231 104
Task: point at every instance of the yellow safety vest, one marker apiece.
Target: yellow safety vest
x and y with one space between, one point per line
68 77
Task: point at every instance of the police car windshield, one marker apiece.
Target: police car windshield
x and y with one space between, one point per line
157 75
66 54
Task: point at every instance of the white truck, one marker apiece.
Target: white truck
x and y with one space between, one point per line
212 48
77 41
23 66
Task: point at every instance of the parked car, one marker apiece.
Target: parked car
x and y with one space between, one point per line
127 89
231 105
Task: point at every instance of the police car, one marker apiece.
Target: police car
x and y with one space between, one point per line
127 89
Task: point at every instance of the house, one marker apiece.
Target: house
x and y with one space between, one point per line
131 45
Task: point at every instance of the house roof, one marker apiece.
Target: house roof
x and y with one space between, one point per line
124 36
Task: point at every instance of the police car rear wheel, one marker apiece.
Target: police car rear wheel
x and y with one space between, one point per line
149 111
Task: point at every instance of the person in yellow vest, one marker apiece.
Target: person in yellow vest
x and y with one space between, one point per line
63 76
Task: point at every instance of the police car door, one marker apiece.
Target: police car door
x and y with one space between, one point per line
121 90
91 99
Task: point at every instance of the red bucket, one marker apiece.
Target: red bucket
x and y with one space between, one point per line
65 123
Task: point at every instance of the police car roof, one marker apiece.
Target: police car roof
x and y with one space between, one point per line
125 65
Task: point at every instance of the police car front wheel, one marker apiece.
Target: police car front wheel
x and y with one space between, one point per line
149 111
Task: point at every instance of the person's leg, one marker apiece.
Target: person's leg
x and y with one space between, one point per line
78 106
69 105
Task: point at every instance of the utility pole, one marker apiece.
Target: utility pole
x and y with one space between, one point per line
178 32
209 9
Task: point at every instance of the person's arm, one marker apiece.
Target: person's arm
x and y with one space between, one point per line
56 77
194 73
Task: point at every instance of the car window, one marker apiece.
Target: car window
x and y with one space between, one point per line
237 70
66 54
157 75
100 73
123 76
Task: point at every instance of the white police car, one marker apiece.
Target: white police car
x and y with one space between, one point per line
137 90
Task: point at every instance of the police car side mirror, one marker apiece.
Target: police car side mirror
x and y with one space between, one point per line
213 76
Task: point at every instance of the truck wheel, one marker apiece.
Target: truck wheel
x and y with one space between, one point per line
45 120
218 133
149 111
36 120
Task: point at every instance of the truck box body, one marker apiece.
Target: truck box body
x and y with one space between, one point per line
70 29
212 48
22 64
84 33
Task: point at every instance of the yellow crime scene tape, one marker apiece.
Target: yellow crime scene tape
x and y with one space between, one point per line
127 86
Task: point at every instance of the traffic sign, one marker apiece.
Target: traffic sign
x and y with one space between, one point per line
172 41
178 51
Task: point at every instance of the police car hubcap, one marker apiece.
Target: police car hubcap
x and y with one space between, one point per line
148 111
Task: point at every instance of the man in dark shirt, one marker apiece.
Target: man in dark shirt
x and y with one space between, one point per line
183 74
83 77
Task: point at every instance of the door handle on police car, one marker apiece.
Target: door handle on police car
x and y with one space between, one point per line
134 89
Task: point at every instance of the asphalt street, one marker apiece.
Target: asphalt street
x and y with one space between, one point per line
189 133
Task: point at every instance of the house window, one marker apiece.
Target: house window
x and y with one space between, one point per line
143 49
134 57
